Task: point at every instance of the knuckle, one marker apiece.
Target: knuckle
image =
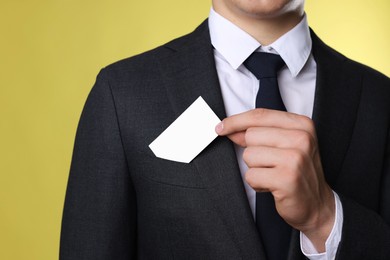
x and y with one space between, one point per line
307 123
296 159
250 177
258 113
304 140
249 133
292 172
247 155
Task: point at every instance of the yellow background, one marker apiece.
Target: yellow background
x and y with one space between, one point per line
50 53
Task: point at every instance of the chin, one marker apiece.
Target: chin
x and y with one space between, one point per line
268 8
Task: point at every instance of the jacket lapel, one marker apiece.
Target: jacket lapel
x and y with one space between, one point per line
189 72
335 106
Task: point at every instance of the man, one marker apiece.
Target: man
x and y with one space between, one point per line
329 177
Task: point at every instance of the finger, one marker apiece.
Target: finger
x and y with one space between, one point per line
271 180
265 157
262 179
238 138
281 138
269 136
264 117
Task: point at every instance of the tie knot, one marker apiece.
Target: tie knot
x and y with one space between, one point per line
264 65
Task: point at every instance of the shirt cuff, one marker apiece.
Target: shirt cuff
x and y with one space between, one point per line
333 240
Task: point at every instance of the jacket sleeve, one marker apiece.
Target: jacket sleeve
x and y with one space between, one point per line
366 234
99 218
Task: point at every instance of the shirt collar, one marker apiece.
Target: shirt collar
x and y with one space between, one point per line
235 45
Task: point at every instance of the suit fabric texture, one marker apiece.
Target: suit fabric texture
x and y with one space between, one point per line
124 203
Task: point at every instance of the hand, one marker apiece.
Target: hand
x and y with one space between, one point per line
282 155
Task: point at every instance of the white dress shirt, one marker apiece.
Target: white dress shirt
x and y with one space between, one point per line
232 46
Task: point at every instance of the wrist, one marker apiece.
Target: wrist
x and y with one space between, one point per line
322 223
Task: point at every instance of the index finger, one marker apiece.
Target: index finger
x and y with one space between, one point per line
264 117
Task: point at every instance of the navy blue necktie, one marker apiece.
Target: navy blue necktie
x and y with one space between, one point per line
274 231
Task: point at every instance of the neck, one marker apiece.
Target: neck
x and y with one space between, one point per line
265 29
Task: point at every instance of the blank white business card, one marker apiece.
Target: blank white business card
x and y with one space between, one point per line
188 135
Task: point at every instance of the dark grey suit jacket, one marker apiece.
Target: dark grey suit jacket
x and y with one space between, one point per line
124 203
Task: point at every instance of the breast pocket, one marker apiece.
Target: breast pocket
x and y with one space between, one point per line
148 166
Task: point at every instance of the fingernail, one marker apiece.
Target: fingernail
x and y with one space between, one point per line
219 128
